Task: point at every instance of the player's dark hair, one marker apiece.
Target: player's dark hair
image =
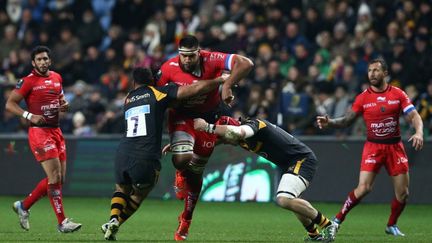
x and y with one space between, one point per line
189 41
142 75
381 60
40 49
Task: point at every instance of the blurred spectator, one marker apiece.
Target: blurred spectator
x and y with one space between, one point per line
424 107
89 30
9 42
80 127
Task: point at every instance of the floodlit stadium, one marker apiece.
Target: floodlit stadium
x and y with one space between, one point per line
312 60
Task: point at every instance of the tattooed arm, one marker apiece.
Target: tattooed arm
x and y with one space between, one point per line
340 122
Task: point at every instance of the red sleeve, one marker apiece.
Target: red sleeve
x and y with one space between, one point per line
406 104
23 87
163 76
357 106
221 60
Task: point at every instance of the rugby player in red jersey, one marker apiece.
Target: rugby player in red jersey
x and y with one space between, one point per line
192 149
43 93
381 105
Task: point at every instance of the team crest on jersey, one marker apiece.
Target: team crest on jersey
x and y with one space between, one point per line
19 84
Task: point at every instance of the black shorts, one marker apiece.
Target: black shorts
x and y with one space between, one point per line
305 166
133 171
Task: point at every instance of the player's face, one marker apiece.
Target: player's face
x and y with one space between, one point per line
376 74
41 63
189 61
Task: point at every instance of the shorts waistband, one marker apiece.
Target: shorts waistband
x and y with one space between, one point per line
44 126
385 141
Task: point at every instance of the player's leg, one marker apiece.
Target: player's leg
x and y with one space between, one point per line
365 185
397 167
203 147
135 179
400 185
290 188
22 207
53 169
372 158
182 144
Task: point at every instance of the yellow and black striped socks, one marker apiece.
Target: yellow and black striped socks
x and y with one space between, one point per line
321 220
122 207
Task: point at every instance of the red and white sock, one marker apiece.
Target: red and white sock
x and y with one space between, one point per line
349 203
56 200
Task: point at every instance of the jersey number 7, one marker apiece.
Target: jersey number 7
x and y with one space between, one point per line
136 122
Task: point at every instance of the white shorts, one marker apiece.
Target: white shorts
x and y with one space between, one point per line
291 186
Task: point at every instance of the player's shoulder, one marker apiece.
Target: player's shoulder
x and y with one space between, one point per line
397 90
171 63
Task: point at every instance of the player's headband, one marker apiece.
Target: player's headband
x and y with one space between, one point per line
188 51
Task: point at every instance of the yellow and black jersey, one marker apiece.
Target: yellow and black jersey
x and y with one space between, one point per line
280 147
144 110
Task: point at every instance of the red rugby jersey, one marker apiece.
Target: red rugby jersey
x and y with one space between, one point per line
381 111
42 95
212 65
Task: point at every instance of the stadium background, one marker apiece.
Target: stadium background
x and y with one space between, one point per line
310 59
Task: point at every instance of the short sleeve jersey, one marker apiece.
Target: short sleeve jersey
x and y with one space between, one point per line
144 110
381 111
42 95
212 65
273 143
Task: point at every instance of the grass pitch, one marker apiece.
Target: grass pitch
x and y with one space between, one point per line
156 221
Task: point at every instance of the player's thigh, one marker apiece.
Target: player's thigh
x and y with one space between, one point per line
138 172
43 143
304 166
204 144
373 157
291 186
397 161
53 170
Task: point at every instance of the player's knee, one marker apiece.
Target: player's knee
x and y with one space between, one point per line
403 195
285 202
140 191
180 161
364 189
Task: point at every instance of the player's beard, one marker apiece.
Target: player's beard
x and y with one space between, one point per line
43 70
377 82
189 68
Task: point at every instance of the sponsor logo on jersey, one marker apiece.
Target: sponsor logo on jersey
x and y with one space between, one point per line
402 160
39 87
393 102
216 56
19 84
174 64
370 161
137 97
48 82
381 99
368 105
384 127
49 147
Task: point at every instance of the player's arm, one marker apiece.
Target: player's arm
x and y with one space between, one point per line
228 132
12 105
417 139
340 122
64 104
240 69
200 87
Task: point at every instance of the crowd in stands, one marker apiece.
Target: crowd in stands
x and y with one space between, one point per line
310 56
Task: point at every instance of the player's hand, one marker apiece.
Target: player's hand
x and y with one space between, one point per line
227 95
225 76
64 105
417 141
37 120
322 121
166 149
200 124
